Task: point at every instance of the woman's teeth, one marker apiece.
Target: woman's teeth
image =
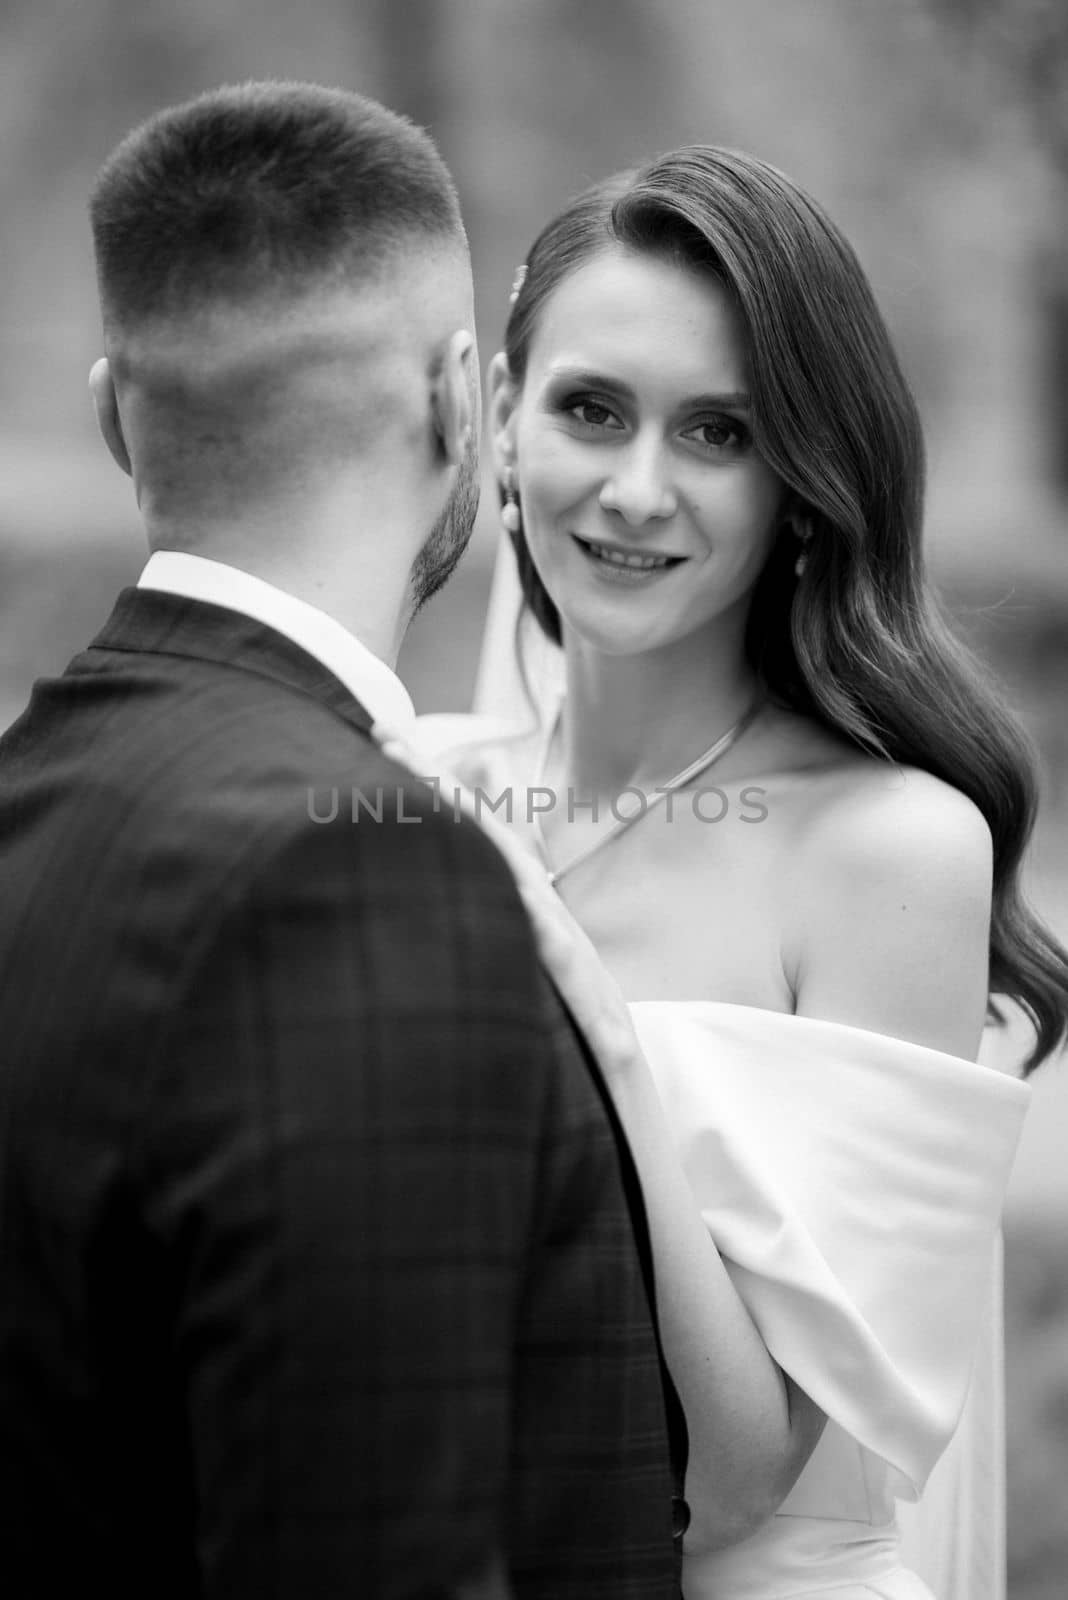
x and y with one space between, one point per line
616 558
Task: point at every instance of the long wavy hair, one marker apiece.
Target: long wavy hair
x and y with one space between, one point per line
858 640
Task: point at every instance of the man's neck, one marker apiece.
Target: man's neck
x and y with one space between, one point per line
361 579
371 680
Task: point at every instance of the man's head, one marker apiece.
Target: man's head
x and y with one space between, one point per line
286 295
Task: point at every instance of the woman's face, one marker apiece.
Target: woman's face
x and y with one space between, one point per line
647 510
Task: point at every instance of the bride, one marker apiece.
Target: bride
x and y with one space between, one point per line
789 816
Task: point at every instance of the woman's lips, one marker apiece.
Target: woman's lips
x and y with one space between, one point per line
621 560
612 561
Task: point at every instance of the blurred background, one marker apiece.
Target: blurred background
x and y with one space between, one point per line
935 132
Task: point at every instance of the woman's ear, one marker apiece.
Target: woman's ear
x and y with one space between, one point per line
503 406
106 405
794 512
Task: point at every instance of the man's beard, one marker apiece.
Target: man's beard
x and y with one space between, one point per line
448 538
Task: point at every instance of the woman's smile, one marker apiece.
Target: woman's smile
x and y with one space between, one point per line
614 563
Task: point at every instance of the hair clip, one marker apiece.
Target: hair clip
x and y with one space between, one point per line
517 284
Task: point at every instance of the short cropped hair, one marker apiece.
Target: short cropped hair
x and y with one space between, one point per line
262 188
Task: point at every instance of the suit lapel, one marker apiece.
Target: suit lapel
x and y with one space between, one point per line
153 622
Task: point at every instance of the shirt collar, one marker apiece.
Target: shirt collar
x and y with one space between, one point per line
364 674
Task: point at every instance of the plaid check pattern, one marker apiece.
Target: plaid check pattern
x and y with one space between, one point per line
321 1258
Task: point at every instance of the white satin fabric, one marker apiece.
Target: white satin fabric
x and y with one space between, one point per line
854 1186
954 1536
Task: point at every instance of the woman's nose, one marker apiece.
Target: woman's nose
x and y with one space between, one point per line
639 487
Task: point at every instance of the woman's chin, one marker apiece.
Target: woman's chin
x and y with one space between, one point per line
595 628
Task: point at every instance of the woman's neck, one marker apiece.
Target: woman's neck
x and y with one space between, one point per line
636 720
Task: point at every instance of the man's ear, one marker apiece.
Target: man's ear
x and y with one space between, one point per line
455 399
105 402
503 404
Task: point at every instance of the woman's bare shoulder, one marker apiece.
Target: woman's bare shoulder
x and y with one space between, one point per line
849 808
874 818
889 881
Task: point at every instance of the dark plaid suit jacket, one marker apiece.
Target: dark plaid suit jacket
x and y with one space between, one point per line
319 1255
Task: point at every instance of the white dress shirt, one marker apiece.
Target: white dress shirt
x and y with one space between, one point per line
374 684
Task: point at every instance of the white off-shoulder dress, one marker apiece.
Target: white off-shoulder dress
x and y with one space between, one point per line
853 1184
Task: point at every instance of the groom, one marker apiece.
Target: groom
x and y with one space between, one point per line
323 1269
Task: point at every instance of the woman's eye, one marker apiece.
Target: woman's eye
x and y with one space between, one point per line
719 433
594 413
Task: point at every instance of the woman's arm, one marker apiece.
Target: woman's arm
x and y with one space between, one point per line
751 1428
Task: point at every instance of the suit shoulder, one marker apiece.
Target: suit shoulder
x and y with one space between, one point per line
395 836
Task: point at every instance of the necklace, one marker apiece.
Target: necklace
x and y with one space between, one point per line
705 760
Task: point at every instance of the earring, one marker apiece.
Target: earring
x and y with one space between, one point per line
803 535
511 516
